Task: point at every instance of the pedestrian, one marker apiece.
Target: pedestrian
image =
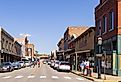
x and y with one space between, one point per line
85 70
34 64
88 67
82 67
38 63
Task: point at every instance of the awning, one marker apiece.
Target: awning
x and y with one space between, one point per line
82 51
60 51
68 56
68 50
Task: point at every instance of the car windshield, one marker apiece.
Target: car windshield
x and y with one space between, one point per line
57 62
65 63
6 64
26 61
21 62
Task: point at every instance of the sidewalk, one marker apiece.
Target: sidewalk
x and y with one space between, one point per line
109 78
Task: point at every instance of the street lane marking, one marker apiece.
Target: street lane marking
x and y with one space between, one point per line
7 77
55 77
31 76
67 77
42 77
79 79
17 77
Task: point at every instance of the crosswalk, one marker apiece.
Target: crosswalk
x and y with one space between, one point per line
42 77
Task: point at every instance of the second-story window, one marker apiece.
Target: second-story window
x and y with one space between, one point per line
3 43
99 27
111 20
9 47
104 25
6 45
12 48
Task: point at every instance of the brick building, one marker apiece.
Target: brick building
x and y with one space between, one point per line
84 48
23 41
70 34
60 52
10 50
108 24
30 51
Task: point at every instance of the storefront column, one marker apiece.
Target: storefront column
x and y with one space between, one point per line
73 62
9 58
76 62
4 58
0 58
115 67
119 55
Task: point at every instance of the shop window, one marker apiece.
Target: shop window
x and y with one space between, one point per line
114 45
108 61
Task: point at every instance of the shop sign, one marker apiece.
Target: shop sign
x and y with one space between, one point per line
99 55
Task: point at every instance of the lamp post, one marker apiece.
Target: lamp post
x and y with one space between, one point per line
99 55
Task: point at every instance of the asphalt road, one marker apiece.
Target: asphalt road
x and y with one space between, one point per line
42 74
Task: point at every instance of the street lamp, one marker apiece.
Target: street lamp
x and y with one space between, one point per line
99 55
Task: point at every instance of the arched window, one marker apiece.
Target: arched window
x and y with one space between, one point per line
2 43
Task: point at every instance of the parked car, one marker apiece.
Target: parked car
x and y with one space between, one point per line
22 63
16 65
27 63
64 66
6 66
49 62
56 64
44 62
52 64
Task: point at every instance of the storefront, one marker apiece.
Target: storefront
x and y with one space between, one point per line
109 59
85 55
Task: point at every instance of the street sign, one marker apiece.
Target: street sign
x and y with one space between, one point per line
99 55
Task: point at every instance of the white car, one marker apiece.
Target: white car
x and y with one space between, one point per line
52 64
22 63
64 66
27 63
56 64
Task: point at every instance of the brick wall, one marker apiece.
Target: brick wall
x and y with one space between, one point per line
103 10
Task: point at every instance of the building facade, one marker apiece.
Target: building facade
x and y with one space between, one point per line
23 41
60 52
30 51
71 33
108 24
8 47
72 30
83 48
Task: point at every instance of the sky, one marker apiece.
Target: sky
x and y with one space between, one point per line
45 20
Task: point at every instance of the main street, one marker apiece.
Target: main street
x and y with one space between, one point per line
43 74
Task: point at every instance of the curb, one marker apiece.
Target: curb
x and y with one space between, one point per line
89 78
95 80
